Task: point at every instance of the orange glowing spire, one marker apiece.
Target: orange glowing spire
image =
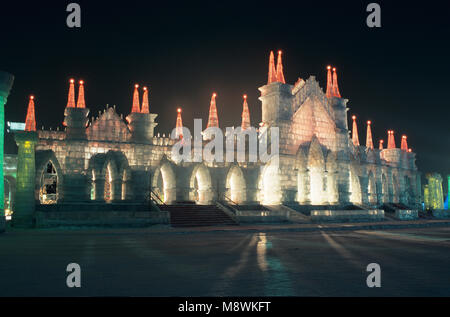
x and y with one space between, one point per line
213 120
381 145
336 92
329 83
136 107
391 140
71 99
145 107
245 115
30 121
404 145
369 142
81 102
355 137
179 126
272 70
280 75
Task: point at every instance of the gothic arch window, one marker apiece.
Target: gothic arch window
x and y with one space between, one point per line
48 192
235 184
108 193
201 186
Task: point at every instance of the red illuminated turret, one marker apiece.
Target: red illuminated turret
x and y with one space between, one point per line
280 74
329 83
30 121
71 98
179 126
336 92
404 145
136 107
81 102
355 137
213 120
381 144
245 115
391 140
145 106
272 71
369 142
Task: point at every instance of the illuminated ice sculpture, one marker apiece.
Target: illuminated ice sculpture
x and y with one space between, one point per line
6 82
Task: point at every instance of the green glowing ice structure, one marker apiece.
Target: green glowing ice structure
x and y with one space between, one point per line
433 194
6 82
26 170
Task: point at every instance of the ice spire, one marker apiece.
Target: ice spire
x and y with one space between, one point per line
145 107
381 145
213 120
245 115
280 75
404 145
329 83
136 107
71 98
179 126
30 121
81 103
272 70
391 140
369 142
336 92
355 137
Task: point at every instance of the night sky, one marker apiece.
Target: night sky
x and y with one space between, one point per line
397 76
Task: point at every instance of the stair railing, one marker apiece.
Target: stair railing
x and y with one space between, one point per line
230 200
156 198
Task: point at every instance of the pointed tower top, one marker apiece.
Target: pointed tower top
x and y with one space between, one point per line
381 144
404 145
245 115
30 121
71 98
179 125
369 142
391 140
145 106
280 74
136 107
272 71
329 83
355 137
335 91
81 102
213 120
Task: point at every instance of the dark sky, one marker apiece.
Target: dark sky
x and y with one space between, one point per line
397 76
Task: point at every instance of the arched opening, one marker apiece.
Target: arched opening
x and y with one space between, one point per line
355 188
409 192
271 185
394 188
201 185
108 193
9 188
164 183
372 189
48 192
124 184
159 187
317 175
316 180
384 188
235 184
